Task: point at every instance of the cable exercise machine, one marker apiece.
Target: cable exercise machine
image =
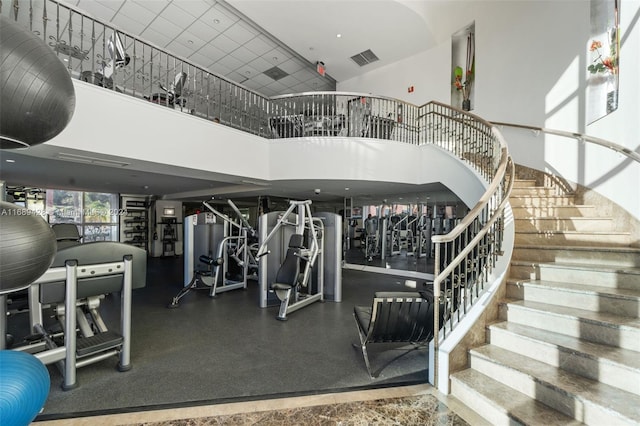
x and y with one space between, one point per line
226 248
298 279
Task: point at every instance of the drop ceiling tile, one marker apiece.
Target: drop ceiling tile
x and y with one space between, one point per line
224 43
200 60
276 86
179 49
128 25
195 8
291 66
204 31
160 39
236 77
289 81
262 79
252 84
268 92
154 6
178 16
190 41
95 9
218 18
277 56
212 52
167 28
133 10
260 45
247 72
260 64
111 4
240 33
304 75
231 62
219 69
243 54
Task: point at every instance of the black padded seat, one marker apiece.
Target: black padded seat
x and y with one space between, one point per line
288 273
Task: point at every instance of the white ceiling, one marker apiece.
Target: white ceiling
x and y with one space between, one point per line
240 39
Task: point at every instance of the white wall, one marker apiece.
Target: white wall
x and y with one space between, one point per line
531 60
159 135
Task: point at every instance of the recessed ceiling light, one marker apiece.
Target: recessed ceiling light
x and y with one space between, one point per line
9 160
190 41
216 21
338 35
346 189
275 58
247 72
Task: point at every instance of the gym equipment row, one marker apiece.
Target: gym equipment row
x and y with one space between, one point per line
299 258
218 252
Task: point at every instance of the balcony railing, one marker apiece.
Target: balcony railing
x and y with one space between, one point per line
103 55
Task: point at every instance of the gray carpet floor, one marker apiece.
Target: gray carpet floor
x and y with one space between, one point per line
229 349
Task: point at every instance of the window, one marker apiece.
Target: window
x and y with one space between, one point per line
95 213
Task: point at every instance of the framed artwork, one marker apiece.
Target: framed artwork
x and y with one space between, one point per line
603 59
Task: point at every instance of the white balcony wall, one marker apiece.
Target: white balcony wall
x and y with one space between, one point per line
117 125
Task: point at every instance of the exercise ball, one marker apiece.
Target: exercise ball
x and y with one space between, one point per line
37 98
27 247
24 386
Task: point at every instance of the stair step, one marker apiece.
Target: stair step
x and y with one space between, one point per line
524 183
614 256
583 399
500 405
542 201
534 191
564 224
594 298
520 210
597 327
564 238
613 366
601 275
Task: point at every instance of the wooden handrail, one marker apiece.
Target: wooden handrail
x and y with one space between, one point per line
573 135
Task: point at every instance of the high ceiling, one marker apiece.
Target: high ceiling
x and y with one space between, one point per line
240 40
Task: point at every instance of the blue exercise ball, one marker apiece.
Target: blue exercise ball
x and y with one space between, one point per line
24 387
27 247
36 91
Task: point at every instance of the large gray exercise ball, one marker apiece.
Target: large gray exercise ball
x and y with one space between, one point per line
37 97
27 247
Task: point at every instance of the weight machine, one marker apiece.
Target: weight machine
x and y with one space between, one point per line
80 343
304 236
231 240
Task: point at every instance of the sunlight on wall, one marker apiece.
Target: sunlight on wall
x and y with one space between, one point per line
563 111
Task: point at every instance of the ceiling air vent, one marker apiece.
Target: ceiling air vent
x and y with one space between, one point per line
364 58
275 73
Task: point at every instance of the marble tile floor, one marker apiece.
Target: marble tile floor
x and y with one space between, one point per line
406 405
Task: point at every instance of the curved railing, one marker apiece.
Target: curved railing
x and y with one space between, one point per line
466 256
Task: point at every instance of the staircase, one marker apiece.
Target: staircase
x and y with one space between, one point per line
566 347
